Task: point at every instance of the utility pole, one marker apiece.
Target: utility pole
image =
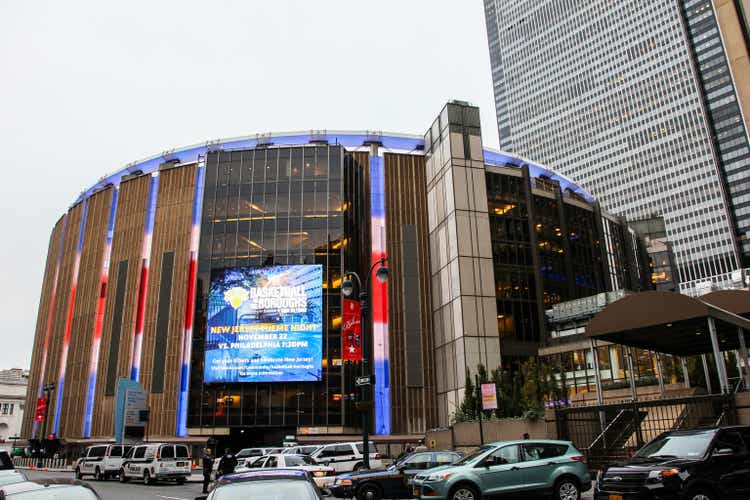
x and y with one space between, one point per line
479 409
48 388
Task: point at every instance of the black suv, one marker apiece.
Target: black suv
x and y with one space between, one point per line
393 482
702 464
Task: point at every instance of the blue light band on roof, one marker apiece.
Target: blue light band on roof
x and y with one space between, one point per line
406 143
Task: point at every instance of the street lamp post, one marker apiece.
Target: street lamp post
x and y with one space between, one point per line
347 288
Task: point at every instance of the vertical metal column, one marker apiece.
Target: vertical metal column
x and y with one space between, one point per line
721 367
706 373
631 373
659 372
685 371
597 373
744 358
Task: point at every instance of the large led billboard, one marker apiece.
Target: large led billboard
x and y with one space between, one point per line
265 324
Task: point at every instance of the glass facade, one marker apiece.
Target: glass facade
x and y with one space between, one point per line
635 101
266 206
548 253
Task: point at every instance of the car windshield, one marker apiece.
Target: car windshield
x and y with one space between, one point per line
676 446
278 489
296 460
473 455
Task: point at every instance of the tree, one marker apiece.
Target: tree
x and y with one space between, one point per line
467 411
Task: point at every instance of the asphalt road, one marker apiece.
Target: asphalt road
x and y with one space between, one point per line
115 490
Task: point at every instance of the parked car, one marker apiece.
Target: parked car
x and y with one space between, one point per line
156 461
101 461
321 474
703 464
10 476
393 482
346 457
279 484
300 449
551 468
69 489
245 457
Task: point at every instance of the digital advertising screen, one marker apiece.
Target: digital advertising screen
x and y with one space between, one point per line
265 324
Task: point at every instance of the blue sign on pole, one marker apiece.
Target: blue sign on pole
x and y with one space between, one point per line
127 390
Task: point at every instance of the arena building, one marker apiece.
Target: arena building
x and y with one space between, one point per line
211 276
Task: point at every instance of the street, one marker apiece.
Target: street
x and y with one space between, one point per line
115 490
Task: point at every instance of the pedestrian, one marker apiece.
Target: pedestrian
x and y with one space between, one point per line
526 435
227 463
420 446
208 465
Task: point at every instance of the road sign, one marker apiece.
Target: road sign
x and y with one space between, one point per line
366 380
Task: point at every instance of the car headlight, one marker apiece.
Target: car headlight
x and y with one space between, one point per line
659 475
440 476
319 473
344 482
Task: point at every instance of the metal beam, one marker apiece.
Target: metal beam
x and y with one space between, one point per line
706 373
597 373
631 373
685 371
659 373
745 361
721 367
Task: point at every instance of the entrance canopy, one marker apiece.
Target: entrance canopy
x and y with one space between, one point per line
675 324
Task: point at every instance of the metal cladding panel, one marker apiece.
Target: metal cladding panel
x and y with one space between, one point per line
82 319
171 236
127 242
46 300
410 322
102 281
57 354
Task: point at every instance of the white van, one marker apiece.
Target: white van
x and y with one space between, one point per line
156 461
101 461
346 457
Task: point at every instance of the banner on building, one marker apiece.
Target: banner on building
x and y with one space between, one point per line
351 332
489 397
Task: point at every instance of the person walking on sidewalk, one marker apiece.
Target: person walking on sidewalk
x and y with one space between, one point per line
208 465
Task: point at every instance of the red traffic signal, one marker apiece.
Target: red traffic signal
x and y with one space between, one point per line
41 409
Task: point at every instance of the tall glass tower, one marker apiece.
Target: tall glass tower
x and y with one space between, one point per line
641 102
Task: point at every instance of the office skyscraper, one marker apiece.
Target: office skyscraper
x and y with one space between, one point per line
641 102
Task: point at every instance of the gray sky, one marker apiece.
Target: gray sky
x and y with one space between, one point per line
86 87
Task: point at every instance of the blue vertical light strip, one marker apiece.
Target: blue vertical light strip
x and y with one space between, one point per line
187 331
99 318
379 298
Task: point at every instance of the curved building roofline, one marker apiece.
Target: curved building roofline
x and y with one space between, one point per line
351 139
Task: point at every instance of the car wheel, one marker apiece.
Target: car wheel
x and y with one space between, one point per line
78 473
464 492
123 477
147 478
567 489
358 467
180 480
98 474
369 492
700 494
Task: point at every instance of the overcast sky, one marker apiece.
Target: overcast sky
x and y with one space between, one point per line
86 87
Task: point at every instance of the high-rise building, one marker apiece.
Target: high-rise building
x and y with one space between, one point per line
645 104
